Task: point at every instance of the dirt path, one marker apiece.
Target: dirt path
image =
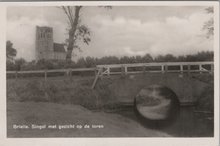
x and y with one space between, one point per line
62 118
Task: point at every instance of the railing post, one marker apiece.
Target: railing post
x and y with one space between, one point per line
108 71
126 70
144 69
181 69
95 71
100 73
66 73
16 75
45 75
162 69
166 68
96 77
70 73
188 69
122 71
200 69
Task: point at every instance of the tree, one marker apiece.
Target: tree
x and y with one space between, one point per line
165 58
77 31
169 58
209 25
19 63
147 58
10 51
81 62
90 62
205 56
125 60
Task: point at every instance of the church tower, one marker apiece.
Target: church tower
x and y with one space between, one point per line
44 43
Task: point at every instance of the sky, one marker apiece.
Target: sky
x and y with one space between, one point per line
120 31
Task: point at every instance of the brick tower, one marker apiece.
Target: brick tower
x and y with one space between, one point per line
44 43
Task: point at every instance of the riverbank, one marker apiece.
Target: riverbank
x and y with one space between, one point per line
66 100
109 90
188 123
57 120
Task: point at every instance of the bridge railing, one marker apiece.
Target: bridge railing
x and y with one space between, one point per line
46 72
161 67
114 69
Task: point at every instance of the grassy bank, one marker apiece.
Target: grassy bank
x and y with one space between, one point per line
206 100
62 90
108 91
104 125
64 100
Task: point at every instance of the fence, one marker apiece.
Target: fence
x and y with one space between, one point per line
67 72
161 67
100 70
124 69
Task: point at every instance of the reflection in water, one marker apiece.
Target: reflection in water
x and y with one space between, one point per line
187 124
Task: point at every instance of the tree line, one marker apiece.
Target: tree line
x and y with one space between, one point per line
87 62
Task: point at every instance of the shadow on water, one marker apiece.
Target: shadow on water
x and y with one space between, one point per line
187 124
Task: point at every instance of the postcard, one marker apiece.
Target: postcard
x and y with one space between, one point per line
102 72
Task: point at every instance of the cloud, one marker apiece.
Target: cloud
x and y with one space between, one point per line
123 36
117 32
22 34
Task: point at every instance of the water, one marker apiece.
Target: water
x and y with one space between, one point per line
188 124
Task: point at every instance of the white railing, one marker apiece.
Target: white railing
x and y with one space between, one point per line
46 72
100 70
160 67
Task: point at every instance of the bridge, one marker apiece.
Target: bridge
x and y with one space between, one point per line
162 67
171 74
158 67
175 75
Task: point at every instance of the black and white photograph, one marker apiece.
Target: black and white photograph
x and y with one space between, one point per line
111 71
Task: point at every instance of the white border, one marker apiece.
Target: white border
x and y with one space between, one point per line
114 3
106 141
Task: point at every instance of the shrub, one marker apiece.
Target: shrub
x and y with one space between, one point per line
60 91
206 101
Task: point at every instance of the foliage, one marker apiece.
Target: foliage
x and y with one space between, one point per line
206 101
166 58
17 65
87 62
209 25
77 32
10 65
63 91
10 51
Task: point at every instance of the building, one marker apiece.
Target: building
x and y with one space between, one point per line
45 47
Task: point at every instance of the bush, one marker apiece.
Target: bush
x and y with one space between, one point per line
10 66
206 101
21 64
34 91
60 91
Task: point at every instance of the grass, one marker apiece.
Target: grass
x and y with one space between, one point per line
109 90
206 100
41 113
63 100
59 90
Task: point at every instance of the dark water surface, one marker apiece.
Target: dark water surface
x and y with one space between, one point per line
188 124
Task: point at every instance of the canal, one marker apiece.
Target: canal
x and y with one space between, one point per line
189 123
